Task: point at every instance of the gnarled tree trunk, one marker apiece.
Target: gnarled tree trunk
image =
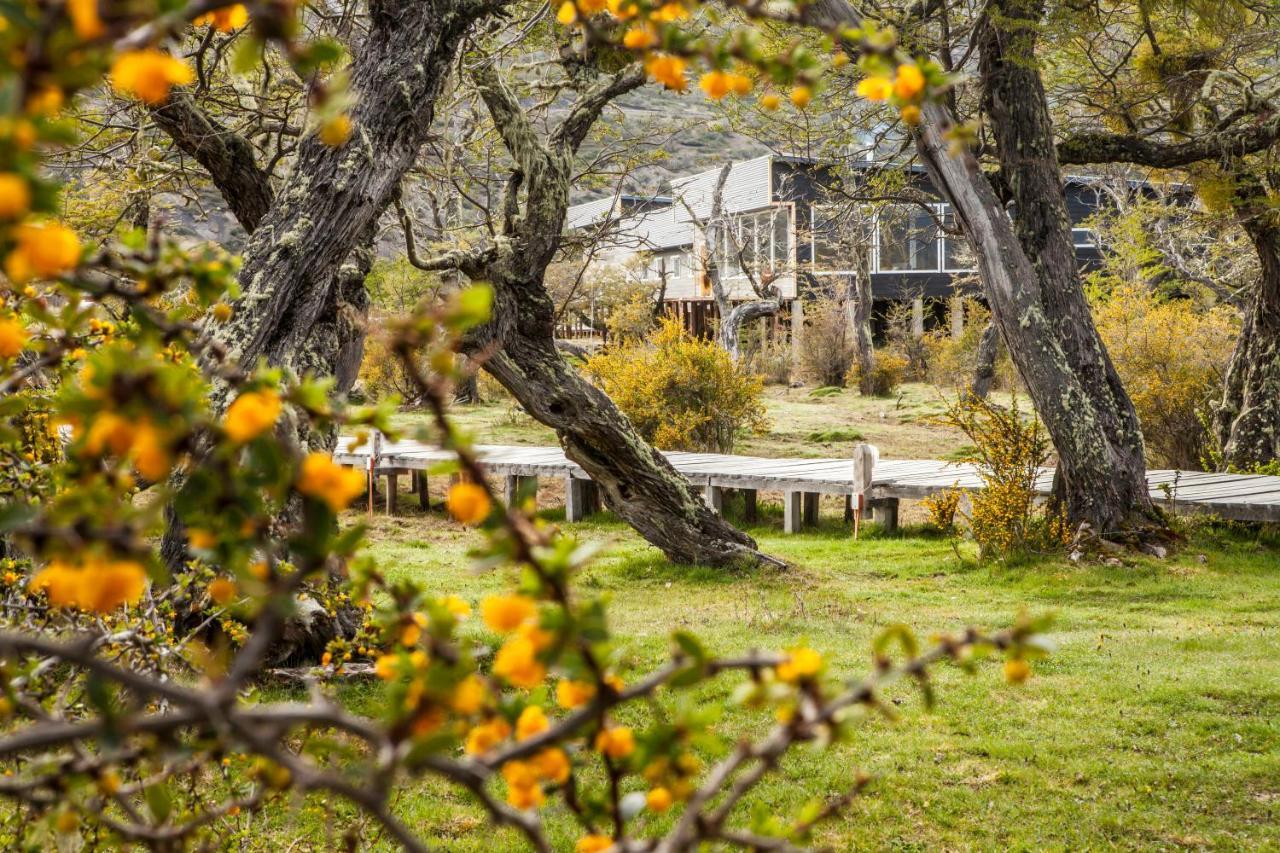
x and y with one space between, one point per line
1248 417
636 481
984 372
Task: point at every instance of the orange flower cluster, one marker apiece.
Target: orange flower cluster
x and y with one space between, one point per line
92 583
252 414
149 74
224 20
321 478
906 89
139 440
802 663
468 502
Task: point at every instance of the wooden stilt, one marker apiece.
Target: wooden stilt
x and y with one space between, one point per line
811 508
749 511
792 511
715 499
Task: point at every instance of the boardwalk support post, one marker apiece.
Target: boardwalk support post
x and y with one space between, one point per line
715 499
393 489
749 505
581 498
884 512
791 511
422 487
515 484
811 508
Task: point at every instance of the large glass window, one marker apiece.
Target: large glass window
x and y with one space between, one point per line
841 235
908 240
760 241
957 254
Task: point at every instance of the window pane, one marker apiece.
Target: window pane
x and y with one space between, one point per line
958 255
1084 237
781 239
908 240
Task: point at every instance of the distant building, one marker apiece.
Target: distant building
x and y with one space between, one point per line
795 226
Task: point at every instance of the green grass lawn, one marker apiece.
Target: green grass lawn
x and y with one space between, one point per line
1155 724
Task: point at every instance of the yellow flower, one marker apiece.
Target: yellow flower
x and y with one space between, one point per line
151 452
658 799
523 790
552 765
911 114
770 101
505 613
222 590
593 844
94 584
640 38
715 84
668 70
109 432
386 666
252 414
669 13
13 337
909 82
15 195
517 662
486 736
617 742
567 13
201 539
622 9
1016 671
43 248
470 695
573 694
336 131
875 88
427 722
46 101
84 19
457 606
324 480
591 7
802 662
468 502
225 20
149 74
740 84
801 96
532 720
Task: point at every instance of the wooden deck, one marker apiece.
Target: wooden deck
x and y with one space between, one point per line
1241 497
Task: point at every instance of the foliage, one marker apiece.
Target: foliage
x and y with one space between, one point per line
952 362
1172 382
942 508
632 320
1009 450
902 341
767 355
382 375
680 392
827 346
888 370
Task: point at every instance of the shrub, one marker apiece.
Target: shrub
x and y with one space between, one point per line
680 392
902 341
942 508
951 362
767 355
382 375
1171 355
887 372
1009 450
633 319
827 343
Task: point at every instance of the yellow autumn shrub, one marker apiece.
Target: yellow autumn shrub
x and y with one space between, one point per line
680 392
1171 355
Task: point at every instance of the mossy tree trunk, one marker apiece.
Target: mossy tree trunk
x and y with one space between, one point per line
1248 417
636 481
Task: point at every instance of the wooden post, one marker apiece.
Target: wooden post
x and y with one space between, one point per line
393 488
917 317
749 512
422 486
811 508
864 464
578 497
715 499
791 512
957 317
797 330
884 512
513 486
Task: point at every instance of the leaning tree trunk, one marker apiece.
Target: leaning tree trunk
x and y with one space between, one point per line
1248 418
1038 306
636 481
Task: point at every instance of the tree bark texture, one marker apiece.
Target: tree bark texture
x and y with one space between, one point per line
1248 417
636 481
858 304
984 373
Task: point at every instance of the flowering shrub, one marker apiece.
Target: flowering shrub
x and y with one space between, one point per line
1172 384
681 392
1009 450
942 508
827 346
888 370
130 698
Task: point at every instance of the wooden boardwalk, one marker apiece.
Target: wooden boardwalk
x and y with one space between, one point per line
1241 497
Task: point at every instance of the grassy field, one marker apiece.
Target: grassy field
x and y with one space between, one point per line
1156 724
